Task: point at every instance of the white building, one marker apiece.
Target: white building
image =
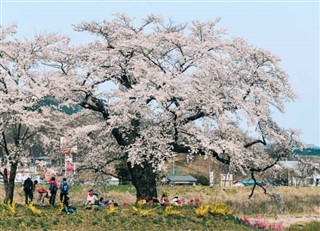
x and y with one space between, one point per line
302 174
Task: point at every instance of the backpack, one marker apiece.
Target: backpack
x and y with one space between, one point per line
53 189
28 185
65 188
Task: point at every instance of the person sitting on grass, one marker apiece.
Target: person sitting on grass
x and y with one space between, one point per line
89 197
92 201
177 201
68 209
102 203
164 200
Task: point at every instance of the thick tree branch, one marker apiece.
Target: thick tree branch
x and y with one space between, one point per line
198 115
5 143
96 106
253 170
263 141
255 184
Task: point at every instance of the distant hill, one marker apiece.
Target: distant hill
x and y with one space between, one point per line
200 166
312 146
309 151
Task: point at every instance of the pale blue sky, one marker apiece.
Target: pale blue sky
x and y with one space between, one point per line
288 29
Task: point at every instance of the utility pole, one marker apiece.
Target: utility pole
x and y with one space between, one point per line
211 174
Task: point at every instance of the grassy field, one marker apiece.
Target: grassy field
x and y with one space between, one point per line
260 211
123 218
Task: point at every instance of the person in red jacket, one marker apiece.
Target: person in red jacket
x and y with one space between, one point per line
53 190
43 194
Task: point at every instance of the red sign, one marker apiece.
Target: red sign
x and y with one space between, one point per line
70 168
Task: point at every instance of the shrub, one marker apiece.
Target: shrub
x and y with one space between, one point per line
201 179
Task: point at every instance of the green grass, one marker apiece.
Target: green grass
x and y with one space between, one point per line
124 218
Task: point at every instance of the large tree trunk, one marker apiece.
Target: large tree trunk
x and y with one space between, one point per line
9 182
144 180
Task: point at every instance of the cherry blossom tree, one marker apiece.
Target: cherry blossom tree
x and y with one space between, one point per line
26 83
181 88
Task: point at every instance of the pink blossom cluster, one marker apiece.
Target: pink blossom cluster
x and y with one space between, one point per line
263 224
196 202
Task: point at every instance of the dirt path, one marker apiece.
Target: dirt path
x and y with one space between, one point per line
289 220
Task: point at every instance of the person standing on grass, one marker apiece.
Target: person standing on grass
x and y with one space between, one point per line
64 190
53 190
28 190
34 185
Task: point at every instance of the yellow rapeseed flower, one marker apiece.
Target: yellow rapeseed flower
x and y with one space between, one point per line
169 211
142 212
110 210
220 208
142 202
145 212
34 210
202 210
12 208
61 207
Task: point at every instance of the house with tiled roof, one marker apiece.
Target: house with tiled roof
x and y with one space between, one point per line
181 180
